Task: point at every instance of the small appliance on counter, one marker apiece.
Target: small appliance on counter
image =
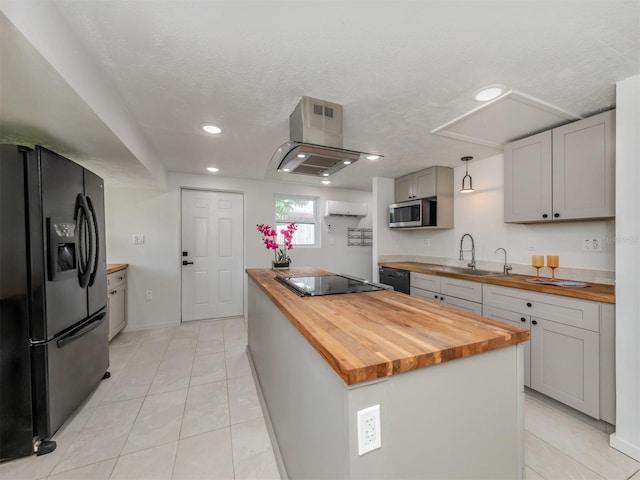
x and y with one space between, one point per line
53 295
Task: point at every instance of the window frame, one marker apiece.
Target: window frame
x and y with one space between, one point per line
316 217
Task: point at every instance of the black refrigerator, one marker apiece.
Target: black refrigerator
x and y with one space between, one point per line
54 346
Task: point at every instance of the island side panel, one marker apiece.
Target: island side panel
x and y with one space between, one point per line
452 420
305 399
458 419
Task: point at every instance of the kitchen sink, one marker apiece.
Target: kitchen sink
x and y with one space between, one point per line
468 271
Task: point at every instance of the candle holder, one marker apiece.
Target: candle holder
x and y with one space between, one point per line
537 261
553 262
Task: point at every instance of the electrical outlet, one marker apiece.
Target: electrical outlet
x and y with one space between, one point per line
531 243
592 244
369 434
148 295
427 242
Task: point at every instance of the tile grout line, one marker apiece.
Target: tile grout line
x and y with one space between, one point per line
226 382
563 454
144 398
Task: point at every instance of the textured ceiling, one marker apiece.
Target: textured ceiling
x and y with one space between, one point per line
400 70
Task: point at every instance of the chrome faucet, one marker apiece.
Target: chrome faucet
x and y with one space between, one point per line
506 267
472 264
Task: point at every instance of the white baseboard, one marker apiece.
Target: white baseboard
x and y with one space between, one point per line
135 328
625 447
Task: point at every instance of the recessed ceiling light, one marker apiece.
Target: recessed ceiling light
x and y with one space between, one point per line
326 182
213 169
347 162
286 169
301 155
373 157
211 128
488 93
325 174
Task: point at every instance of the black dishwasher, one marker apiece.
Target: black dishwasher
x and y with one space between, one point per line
398 279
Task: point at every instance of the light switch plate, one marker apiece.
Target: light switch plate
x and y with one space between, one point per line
138 239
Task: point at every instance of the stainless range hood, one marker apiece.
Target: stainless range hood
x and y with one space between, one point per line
315 147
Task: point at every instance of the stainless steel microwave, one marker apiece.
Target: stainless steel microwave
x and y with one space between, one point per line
414 213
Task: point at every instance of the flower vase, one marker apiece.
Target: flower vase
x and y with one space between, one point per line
279 265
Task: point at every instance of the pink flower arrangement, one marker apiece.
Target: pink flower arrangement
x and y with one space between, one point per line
270 237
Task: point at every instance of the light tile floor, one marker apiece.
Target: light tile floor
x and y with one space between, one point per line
181 404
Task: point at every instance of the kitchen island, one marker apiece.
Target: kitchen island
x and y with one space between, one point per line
449 384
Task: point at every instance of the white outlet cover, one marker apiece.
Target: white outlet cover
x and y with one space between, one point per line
369 433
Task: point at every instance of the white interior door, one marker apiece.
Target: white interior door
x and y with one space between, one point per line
212 237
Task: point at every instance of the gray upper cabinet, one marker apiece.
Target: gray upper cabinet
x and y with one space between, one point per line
420 184
567 173
527 179
433 182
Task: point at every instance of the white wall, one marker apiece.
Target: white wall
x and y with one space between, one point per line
156 214
627 436
481 214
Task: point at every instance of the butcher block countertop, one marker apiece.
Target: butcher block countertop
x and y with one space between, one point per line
365 336
116 267
596 292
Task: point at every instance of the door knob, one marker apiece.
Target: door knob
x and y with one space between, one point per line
184 262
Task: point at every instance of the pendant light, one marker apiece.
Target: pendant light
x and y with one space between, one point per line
467 189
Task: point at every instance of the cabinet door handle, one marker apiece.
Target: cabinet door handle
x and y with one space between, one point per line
435 296
184 262
544 215
556 215
528 304
535 322
523 319
113 292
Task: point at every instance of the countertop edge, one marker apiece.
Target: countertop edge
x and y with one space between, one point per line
513 281
116 267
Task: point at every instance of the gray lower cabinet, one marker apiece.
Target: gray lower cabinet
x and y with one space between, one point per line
117 302
517 320
565 364
452 292
571 351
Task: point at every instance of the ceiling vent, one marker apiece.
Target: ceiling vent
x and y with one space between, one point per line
509 117
315 148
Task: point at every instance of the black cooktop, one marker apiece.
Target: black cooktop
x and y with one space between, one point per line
327 285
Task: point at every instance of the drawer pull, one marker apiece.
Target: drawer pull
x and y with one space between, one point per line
535 322
113 292
528 304
120 277
523 319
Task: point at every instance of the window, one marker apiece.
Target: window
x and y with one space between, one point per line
303 211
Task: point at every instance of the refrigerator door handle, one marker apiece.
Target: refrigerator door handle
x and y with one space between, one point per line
96 244
74 335
84 240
